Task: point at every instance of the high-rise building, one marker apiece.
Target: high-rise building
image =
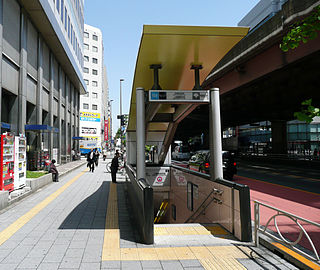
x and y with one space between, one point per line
93 105
41 78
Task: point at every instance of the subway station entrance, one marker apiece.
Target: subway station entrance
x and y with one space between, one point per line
172 62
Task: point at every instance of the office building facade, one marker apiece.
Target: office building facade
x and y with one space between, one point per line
41 72
93 105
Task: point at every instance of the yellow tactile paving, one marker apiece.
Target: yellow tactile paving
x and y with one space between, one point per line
189 230
184 253
129 254
215 257
148 254
216 230
15 226
111 242
166 253
201 252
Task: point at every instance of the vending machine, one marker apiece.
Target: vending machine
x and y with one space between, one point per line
20 161
7 162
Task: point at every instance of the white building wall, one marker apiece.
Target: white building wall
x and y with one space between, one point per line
93 76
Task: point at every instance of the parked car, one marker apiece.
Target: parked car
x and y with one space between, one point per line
181 153
200 162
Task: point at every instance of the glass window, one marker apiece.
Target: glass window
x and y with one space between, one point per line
86 94
302 128
86 58
293 128
68 27
94 95
94 49
95 60
65 19
85 70
94 107
62 6
86 81
95 72
313 128
86 106
86 34
94 37
86 46
58 5
94 83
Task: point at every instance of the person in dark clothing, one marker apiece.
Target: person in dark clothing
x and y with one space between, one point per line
114 167
96 156
90 160
54 171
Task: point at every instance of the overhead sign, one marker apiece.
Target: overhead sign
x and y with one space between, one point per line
179 96
89 116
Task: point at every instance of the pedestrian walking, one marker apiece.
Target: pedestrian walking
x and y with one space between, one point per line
96 156
114 167
90 160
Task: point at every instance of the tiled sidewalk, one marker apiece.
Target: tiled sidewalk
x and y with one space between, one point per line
83 222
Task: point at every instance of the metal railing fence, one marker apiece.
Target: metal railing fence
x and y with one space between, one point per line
259 229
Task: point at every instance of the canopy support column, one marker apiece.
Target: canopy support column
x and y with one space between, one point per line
140 133
216 171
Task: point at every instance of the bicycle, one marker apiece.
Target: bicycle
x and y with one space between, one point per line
120 168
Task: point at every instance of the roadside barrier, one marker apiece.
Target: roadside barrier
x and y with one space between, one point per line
141 199
259 229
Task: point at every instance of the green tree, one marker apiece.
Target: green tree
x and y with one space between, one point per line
303 31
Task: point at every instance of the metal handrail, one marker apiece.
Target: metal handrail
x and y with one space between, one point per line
292 244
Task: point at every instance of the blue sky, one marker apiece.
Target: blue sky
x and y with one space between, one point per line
121 24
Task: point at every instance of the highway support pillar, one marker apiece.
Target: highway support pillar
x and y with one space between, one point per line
140 133
279 137
215 142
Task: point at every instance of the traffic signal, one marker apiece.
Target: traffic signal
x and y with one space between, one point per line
122 120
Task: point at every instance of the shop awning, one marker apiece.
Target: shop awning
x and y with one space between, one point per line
5 125
41 128
78 138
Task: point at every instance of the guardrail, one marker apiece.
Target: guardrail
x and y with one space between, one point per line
258 229
141 199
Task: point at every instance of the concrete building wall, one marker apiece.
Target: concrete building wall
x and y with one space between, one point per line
260 12
38 85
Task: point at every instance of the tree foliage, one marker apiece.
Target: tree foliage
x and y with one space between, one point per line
302 31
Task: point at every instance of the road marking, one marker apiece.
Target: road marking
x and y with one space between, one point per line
15 226
266 182
297 256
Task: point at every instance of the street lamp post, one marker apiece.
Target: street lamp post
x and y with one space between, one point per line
121 116
110 119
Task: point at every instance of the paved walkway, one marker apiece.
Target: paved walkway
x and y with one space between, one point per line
83 222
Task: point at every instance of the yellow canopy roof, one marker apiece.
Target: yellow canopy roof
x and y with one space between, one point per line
176 48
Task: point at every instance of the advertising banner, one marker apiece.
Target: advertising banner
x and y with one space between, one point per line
88 130
106 129
89 116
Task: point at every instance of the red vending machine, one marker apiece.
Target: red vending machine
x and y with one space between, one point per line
7 162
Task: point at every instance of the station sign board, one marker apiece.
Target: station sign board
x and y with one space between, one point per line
179 96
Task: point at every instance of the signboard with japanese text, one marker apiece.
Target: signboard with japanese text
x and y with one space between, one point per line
90 116
179 96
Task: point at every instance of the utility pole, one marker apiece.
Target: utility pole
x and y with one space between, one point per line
121 116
